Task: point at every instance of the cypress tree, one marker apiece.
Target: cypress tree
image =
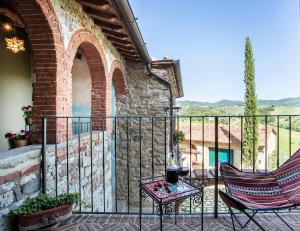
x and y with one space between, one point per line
250 135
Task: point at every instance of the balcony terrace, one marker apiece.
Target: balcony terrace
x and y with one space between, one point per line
101 118
138 147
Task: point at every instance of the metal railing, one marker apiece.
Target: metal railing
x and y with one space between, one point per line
105 161
80 127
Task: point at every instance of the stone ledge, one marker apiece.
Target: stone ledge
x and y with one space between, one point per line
19 151
18 162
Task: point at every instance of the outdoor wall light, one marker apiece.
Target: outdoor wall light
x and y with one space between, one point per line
7 27
14 44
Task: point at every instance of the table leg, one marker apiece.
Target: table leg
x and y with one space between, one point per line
161 216
140 208
177 205
176 211
202 208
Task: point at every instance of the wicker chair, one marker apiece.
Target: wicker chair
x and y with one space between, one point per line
262 192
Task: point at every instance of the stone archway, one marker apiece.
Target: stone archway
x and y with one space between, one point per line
94 54
41 26
118 85
118 77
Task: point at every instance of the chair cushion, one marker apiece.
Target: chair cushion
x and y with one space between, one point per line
279 189
255 191
288 178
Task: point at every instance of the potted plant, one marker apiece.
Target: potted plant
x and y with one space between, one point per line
44 212
9 136
178 136
27 114
19 139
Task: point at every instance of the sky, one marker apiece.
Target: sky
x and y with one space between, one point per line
208 37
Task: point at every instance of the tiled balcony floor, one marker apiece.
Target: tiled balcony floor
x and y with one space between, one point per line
187 223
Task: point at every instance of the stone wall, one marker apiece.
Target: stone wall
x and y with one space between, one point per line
145 96
20 174
90 168
168 74
72 18
19 178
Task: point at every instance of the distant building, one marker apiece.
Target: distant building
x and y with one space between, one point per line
203 141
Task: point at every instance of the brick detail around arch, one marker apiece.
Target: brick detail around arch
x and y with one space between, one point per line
42 29
118 77
94 54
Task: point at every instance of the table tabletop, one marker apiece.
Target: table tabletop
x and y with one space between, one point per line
164 192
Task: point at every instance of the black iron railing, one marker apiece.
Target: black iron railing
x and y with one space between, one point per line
104 158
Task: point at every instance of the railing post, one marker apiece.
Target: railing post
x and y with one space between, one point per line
278 162
216 166
290 136
44 151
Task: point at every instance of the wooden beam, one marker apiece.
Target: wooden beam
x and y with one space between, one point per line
132 59
125 48
119 41
130 56
111 21
129 53
115 34
96 4
126 29
134 53
103 16
117 28
15 19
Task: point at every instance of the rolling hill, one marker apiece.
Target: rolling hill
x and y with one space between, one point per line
295 102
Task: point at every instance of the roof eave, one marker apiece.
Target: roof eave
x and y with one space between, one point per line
128 17
178 77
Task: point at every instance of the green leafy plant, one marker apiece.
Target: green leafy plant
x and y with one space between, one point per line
21 135
178 136
44 202
27 111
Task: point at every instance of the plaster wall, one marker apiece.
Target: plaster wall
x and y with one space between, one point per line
15 87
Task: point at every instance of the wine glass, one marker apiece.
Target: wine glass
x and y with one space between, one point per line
183 171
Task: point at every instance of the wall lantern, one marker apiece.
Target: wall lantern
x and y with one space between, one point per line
7 27
14 44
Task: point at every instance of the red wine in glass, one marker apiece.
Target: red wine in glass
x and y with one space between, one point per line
183 171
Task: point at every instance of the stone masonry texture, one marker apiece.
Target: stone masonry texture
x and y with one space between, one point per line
56 30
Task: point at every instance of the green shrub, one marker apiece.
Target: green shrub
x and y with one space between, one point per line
43 202
178 136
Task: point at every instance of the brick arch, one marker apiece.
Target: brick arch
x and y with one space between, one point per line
41 26
95 56
117 75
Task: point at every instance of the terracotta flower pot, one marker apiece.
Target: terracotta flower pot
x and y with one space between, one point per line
44 220
20 143
28 120
51 226
11 143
